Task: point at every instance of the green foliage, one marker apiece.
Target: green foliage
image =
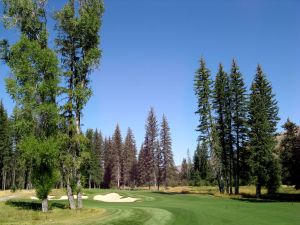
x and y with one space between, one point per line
202 87
5 145
43 153
29 16
34 87
263 117
167 166
289 154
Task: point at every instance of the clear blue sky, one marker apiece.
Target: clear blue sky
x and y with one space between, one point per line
151 50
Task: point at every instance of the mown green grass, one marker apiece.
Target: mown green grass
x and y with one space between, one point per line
162 208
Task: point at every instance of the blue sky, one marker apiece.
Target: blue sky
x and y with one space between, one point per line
151 50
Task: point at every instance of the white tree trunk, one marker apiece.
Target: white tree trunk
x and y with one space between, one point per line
45 205
70 196
79 194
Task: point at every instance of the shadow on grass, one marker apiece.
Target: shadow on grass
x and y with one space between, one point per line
34 205
279 197
180 193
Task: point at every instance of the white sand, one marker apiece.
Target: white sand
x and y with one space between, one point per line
49 197
114 197
64 197
34 198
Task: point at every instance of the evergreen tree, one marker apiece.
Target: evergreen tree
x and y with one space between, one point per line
288 153
109 165
296 168
202 87
239 109
92 167
207 128
78 27
117 152
142 166
220 105
203 157
149 149
129 160
263 118
184 172
159 162
168 168
200 170
97 175
5 146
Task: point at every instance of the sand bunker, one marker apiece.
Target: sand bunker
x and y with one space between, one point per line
64 197
34 198
50 197
114 197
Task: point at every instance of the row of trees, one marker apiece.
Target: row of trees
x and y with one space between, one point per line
105 162
50 88
153 166
237 132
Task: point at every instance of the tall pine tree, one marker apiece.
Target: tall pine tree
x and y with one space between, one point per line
117 152
168 169
5 146
149 149
239 109
263 117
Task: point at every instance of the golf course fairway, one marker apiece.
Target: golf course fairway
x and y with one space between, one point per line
159 208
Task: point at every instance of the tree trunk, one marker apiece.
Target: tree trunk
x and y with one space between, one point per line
118 176
61 184
237 185
70 196
45 205
90 181
155 180
258 190
4 180
14 177
230 174
79 194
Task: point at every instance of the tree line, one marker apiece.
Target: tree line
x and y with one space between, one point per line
50 85
42 142
238 143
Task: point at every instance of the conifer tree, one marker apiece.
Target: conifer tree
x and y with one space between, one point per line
166 150
5 146
184 172
149 149
239 109
109 165
207 128
159 162
129 159
196 167
202 87
296 168
288 148
263 117
220 105
117 152
98 152
142 166
92 167
203 162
